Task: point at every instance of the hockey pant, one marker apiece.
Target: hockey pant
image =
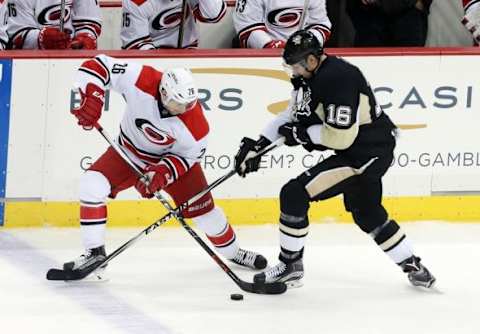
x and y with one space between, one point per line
361 187
110 174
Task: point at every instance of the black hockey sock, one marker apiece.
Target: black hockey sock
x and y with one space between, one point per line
287 256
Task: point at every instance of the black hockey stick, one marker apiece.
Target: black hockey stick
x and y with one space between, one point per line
181 28
62 275
267 288
62 15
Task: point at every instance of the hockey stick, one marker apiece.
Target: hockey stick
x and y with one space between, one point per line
303 18
268 288
62 15
182 23
61 275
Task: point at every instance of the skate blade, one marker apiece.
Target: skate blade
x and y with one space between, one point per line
294 284
432 287
94 277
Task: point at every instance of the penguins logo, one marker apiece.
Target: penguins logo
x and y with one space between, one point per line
154 135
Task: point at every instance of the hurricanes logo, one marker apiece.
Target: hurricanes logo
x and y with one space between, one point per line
51 15
154 135
169 18
285 17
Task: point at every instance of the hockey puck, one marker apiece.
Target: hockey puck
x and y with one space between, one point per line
236 296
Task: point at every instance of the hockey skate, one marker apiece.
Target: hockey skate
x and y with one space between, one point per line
85 261
288 273
418 274
249 259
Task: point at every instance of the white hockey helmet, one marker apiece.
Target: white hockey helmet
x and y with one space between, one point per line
178 91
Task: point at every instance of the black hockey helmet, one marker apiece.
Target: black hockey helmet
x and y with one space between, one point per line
299 45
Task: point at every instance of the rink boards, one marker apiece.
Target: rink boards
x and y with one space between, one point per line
434 98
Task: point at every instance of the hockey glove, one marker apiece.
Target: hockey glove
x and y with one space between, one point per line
471 21
246 160
275 44
297 82
84 41
90 109
51 38
159 176
295 134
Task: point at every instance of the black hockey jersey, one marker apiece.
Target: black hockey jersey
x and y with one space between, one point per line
340 112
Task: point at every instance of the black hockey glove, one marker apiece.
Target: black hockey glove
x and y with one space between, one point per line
295 134
246 160
297 82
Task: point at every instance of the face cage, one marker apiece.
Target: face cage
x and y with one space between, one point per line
174 107
290 69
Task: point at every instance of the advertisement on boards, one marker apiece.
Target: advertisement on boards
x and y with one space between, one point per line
434 100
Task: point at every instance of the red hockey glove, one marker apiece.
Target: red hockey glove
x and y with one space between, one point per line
51 38
275 44
90 109
84 41
159 175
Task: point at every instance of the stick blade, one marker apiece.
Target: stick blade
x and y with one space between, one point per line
275 288
68 275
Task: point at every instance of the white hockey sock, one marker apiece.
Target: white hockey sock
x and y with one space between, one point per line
94 189
292 239
391 239
401 251
293 234
214 224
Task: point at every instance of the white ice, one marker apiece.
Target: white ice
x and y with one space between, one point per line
167 284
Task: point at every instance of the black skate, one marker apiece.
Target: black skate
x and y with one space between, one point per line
85 261
288 273
418 274
249 259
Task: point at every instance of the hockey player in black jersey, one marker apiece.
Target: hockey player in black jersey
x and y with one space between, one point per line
332 108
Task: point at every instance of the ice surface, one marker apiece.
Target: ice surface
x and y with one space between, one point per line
167 284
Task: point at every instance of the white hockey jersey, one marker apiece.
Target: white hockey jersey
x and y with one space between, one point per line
3 24
149 24
148 134
257 22
467 4
27 17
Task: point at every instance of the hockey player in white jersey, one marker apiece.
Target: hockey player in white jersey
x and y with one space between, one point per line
3 25
164 132
35 24
269 23
151 24
471 20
